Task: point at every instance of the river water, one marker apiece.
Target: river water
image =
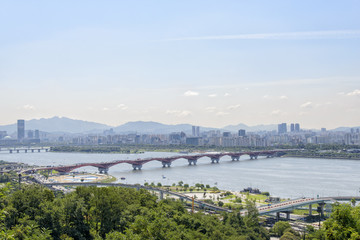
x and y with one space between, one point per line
284 177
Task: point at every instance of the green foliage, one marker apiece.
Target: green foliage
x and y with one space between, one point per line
114 213
344 223
289 236
280 227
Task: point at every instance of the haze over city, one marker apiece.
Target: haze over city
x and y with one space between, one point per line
197 62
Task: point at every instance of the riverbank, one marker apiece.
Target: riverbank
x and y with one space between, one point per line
323 157
82 177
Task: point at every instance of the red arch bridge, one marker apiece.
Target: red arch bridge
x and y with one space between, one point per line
166 161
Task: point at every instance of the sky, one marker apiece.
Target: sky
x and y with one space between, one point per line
203 62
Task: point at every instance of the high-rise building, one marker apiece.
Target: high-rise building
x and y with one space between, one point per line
282 128
37 134
20 129
242 133
226 134
196 131
30 134
297 127
292 127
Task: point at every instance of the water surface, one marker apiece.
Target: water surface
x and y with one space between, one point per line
285 177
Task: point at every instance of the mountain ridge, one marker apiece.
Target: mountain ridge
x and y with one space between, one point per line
74 126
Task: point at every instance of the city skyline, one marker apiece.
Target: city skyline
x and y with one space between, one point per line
202 63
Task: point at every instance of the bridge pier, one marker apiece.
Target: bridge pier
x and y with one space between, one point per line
253 157
287 215
310 210
233 158
161 195
277 216
32 150
25 150
192 162
137 166
10 151
215 159
17 151
166 164
103 170
46 150
38 150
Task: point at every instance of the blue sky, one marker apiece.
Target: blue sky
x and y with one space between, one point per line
209 63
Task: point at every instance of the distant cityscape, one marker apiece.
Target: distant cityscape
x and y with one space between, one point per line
286 134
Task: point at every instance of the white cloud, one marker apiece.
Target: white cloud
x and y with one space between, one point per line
222 113
334 34
179 113
122 106
226 94
283 97
105 109
233 107
323 104
212 95
29 107
190 93
307 105
302 113
356 92
210 109
276 112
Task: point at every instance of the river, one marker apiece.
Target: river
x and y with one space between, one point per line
284 177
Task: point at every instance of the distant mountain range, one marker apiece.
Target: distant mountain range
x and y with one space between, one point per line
58 124
155 127
67 125
235 128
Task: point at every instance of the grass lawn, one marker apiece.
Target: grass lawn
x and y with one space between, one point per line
257 197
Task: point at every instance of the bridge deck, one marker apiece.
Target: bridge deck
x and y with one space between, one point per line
166 161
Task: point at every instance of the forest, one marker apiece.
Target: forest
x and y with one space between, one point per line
35 212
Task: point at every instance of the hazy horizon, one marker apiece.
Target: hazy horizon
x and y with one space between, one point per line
205 63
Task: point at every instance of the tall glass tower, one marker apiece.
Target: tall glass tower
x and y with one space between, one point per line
20 130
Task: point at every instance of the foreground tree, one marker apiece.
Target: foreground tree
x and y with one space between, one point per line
344 223
114 213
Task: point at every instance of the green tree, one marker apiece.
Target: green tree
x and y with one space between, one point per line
280 227
353 202
289 236
342 224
